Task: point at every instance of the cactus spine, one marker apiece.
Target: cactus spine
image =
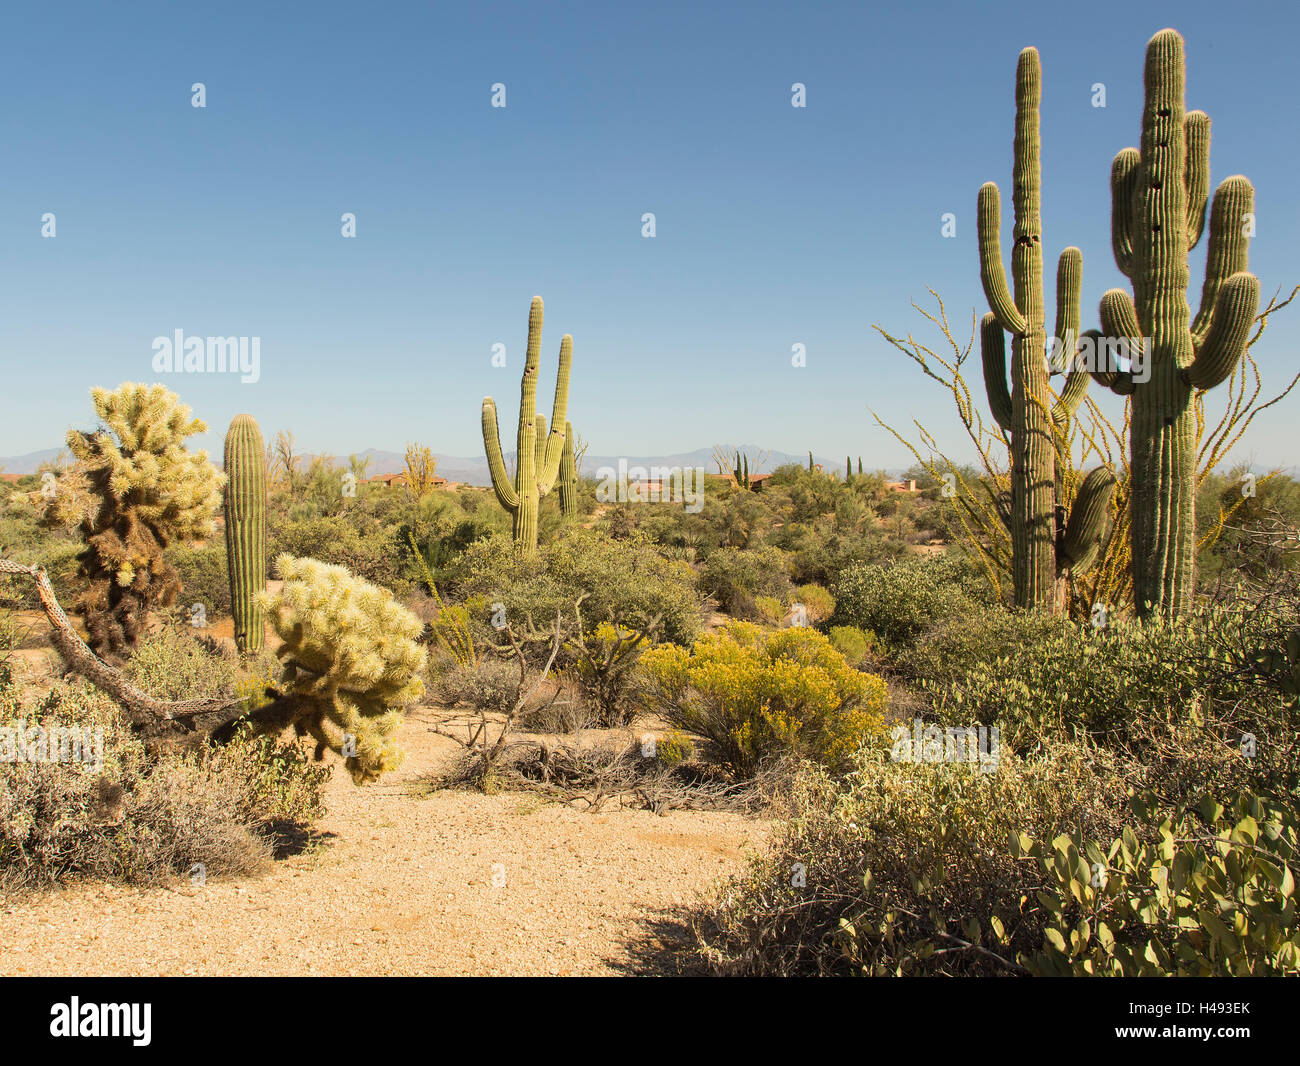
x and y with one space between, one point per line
537 454
1158 200
246 492
1043 544
568 475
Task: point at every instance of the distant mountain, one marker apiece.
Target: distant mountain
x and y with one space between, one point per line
27 464
474 471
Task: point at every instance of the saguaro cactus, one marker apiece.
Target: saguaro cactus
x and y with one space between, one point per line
568 475
1158 199
245 460
536 466
1043 544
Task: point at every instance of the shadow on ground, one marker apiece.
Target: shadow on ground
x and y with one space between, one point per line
662 946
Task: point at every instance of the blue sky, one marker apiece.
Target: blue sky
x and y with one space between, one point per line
775 225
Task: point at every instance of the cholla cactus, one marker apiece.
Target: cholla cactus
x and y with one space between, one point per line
351 661
133 489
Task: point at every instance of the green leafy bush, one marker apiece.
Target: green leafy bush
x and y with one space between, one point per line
851 642
769 609
818 604
884 871
753 697
139 819
734 577
1202 892
901 601
1202 684
373 552
203 575
173 665
821 549
627 579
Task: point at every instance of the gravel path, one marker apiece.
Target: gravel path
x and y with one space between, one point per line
407 881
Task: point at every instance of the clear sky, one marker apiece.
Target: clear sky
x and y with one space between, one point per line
775 225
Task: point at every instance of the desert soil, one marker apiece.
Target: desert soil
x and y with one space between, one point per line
402 879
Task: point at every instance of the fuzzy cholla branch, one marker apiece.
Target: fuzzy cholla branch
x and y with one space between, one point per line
145 462
352 659
134 489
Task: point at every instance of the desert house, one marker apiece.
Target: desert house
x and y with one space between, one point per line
399 479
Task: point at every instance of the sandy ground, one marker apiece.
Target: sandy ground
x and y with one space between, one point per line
404 880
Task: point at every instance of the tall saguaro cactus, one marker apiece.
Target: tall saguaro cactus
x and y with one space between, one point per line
1158 200
536 465
246 491
1043 544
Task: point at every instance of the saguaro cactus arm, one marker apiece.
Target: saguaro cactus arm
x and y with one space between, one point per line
1234 312
568 479
540 449
992 273
1118 381
550 468
1081 538
1065 338
1069 286
506 495
1229 248
1196 172
1123 184
993 351
1119 318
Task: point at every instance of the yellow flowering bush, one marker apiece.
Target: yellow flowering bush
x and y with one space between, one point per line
752 696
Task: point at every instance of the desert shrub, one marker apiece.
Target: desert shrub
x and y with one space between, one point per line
753 697
735 576
138 819
769 609
488 684
674 748
1137 686
373 552
901 601
26 539
818 604
204 578
627 579
604 670
173 665
820 551
851 642
11 637
882 872
1206 891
